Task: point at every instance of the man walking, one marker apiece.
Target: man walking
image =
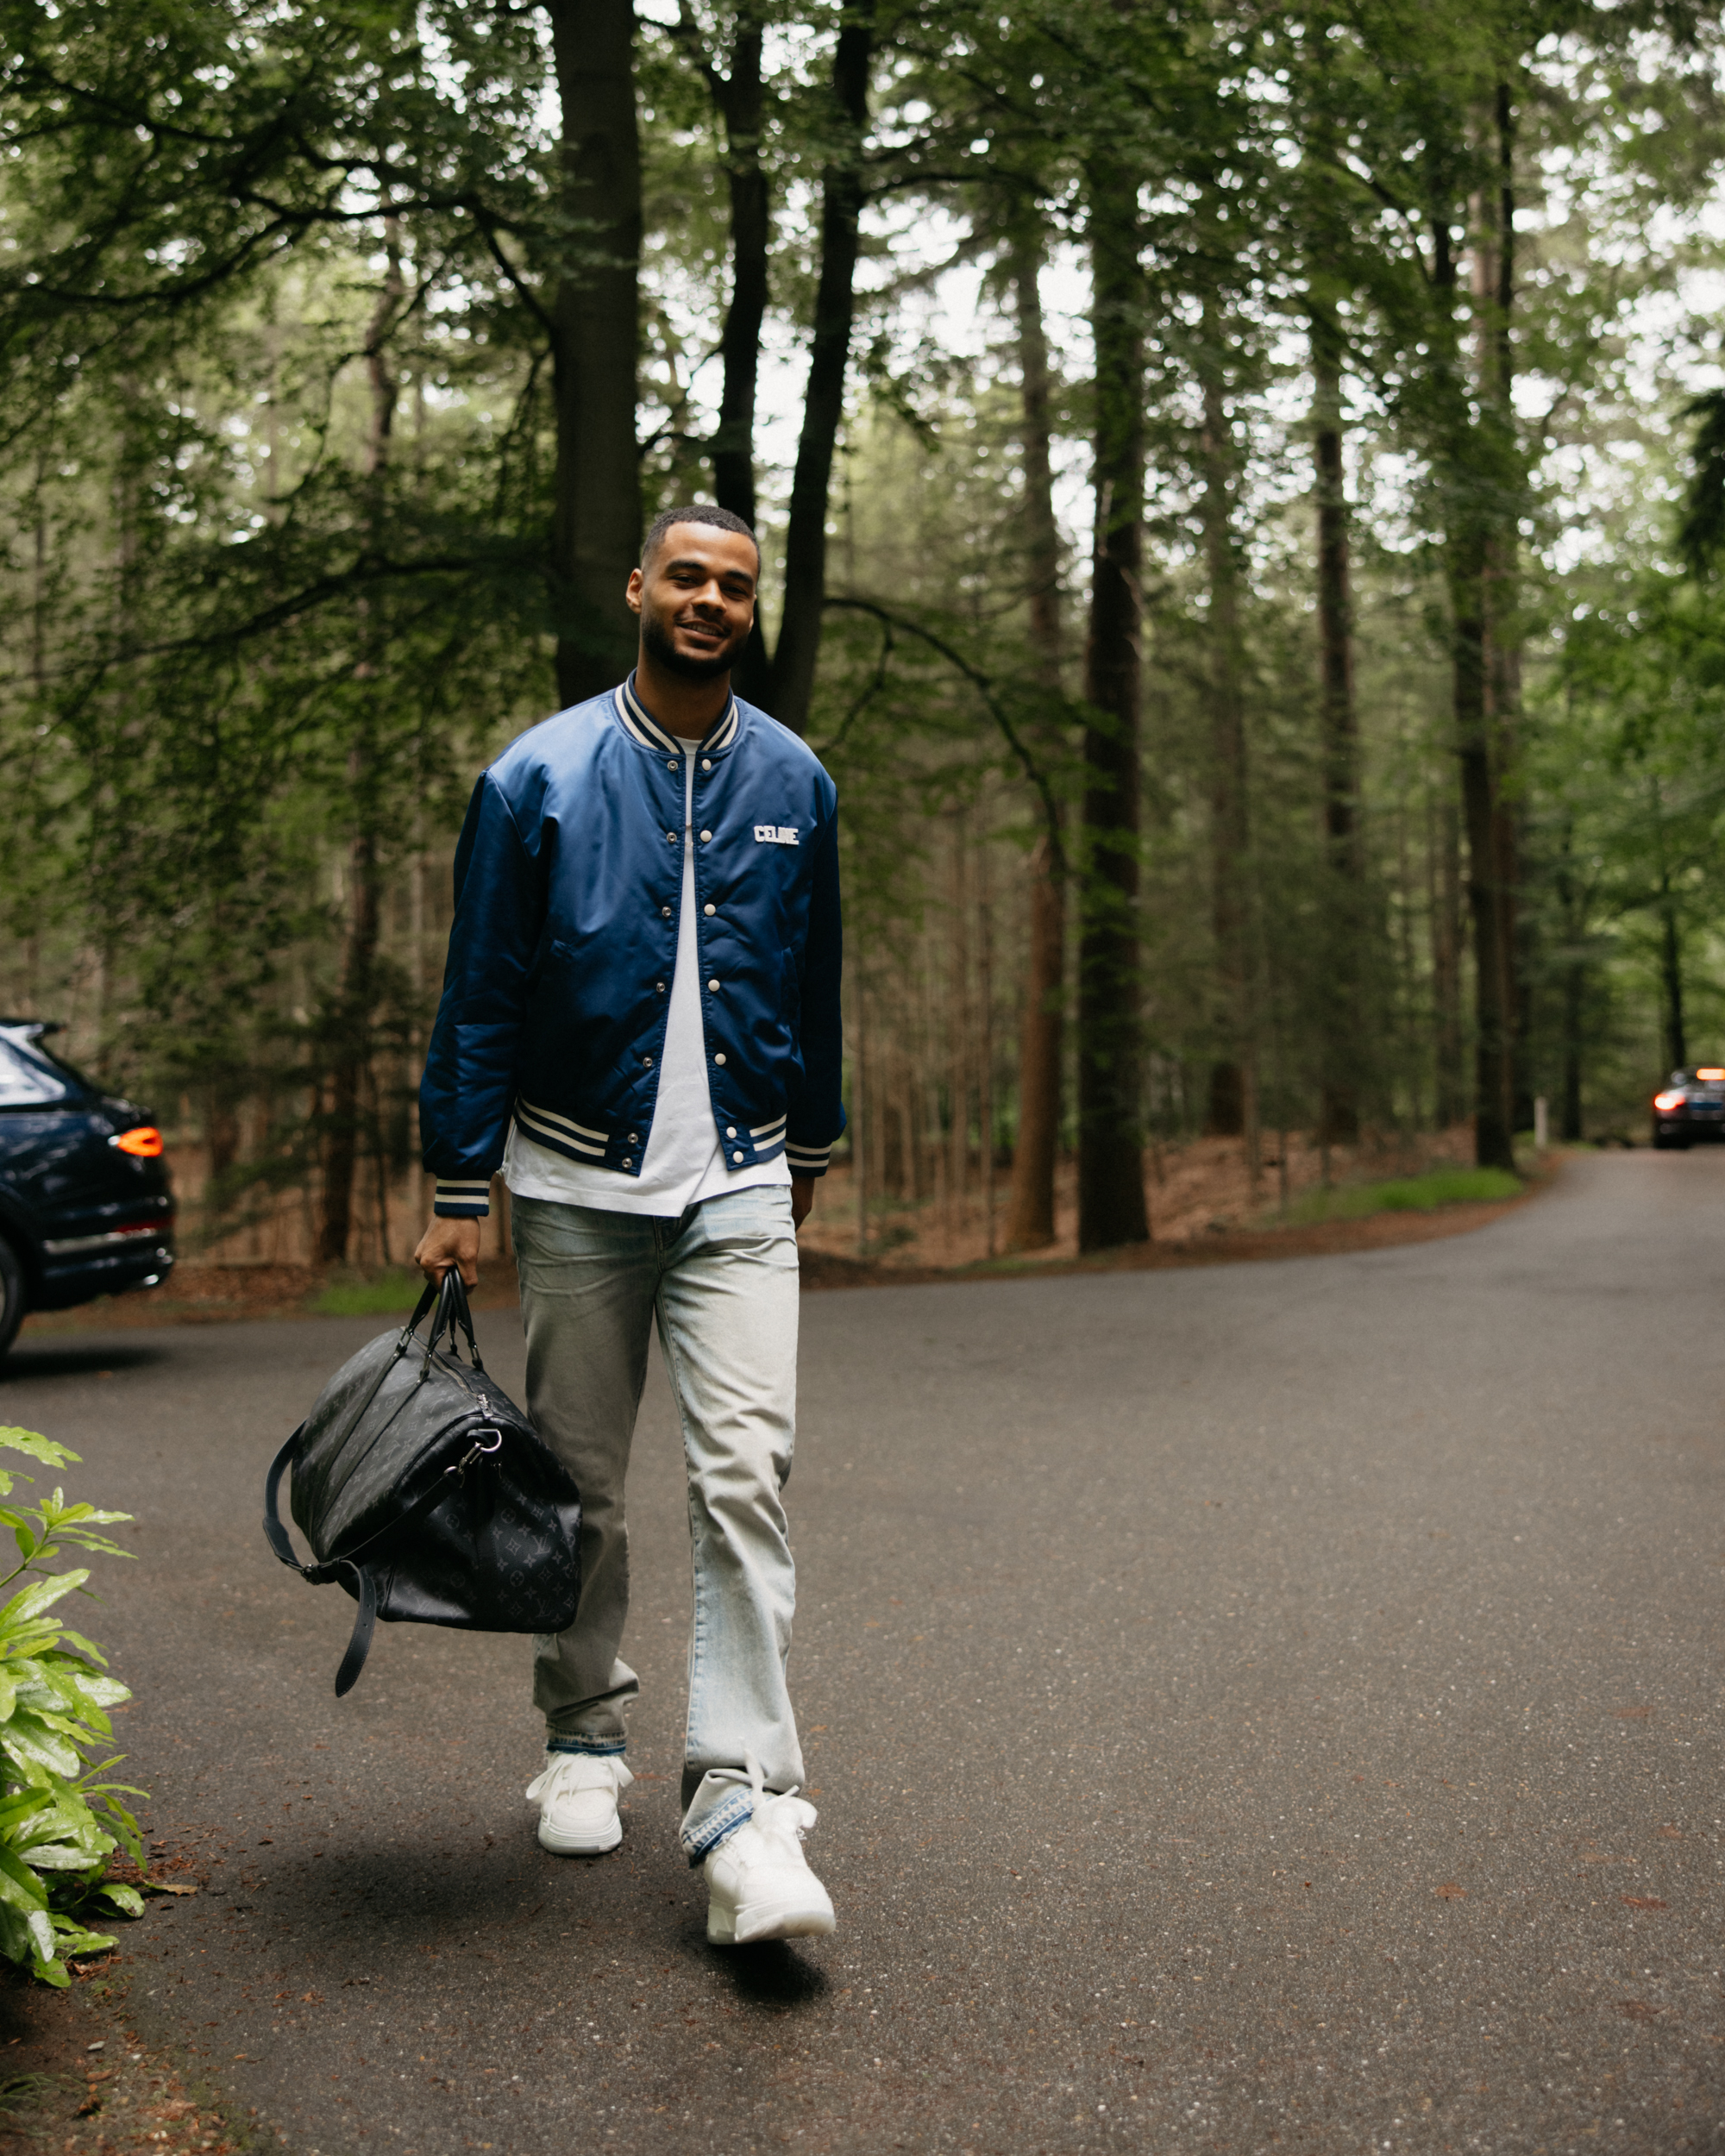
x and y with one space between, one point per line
640 1025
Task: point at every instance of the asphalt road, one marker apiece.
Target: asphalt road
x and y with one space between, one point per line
1266 1707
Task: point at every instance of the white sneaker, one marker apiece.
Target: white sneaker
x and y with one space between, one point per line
577 1798
759 1879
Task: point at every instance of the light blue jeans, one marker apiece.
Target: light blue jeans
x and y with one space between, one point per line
722 1284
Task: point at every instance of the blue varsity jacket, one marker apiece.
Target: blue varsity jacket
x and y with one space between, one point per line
569 888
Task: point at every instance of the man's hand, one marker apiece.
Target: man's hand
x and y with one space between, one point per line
802 1199
447 1242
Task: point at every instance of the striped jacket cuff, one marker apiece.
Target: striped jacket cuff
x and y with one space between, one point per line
807 1160
462 1200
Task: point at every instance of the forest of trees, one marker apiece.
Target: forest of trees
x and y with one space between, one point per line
1242 491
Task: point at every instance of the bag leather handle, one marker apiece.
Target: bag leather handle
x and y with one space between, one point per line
452 1311
452 1307
449 1294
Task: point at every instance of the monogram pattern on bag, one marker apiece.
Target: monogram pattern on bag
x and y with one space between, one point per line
488 1560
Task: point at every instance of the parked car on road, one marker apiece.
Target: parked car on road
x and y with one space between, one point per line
86 1208
1691 1105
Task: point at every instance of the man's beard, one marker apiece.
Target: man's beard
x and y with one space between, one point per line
656 635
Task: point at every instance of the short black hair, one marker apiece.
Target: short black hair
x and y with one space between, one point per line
694 513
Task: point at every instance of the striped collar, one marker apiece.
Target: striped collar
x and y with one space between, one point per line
651 733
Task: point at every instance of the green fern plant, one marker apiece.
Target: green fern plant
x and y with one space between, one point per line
60 1820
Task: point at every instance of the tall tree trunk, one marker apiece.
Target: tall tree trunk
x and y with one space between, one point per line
1521 928
1671 949
1571 913
1344 868
1407 969
1030 1215
1233 1078
1445 889
1492 1145
958 1027
351 1018
985 1034
739 96
1465 451
862 1123
1029 1211
1670 981
1111 1203
1569 1117
596 524
842 193
1493 293
351 1043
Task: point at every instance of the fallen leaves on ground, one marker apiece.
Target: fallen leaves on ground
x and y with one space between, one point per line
82 2082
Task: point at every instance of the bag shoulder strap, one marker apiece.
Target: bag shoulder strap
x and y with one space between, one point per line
275 1532
360 1579
365 1623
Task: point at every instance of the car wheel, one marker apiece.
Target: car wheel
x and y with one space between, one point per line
13 1298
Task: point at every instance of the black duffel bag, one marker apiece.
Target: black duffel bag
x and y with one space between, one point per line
425 1490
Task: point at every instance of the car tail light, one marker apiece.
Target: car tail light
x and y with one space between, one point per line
143 1144
1712 1077
1667 1100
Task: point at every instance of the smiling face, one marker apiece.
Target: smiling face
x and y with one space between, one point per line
696 599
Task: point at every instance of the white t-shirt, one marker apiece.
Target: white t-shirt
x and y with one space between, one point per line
685 1160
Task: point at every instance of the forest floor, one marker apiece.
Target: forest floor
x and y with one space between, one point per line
1203 1211
1196 1192
75 2075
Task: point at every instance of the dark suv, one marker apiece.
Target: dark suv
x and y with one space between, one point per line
85 1205
1691 1105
